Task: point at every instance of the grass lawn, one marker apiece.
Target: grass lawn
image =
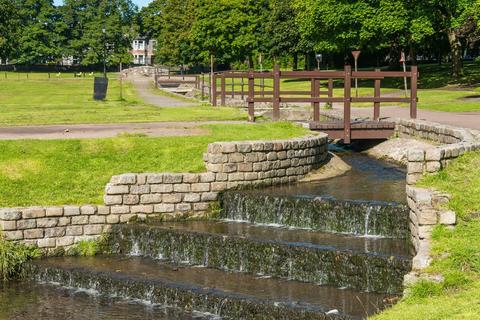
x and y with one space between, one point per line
34 172
69 101
456 253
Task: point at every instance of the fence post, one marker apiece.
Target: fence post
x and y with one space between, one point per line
156 78
223 89
202 86
243 88
214 90
233 87
347 104
413 92
276 92
251 96
377 93
315 93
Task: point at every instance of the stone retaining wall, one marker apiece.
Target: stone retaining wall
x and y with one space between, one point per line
455 142
229 165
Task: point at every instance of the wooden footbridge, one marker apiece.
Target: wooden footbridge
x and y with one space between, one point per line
346 129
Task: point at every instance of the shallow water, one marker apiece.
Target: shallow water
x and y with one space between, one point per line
369 179
31 301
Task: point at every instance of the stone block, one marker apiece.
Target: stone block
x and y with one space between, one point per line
415 167
172 178
120 209
201 206
235 157
47 222
272 156
190 178
206 177
112 200
33 234
182 187
142 209
245 167
154 178
433 166
250 176
200 187
172 198
218 186
70 211
79 220
95 229
46 243
124 218
236 176
228 147
244 147
434 154
127 178
447 217
131 199
413 178
162 188
103 210
26 224
416 155
64 221
217 158
33 212
55 232
215 147
214 167
10 214
257 167
219 177
427 217
251 157
164 208
425 232
115 190
74 231
142 189
65 241
113 219
210 196
282 155
8 225
191 197
88 210
142 178
150 198
13 235
183 207
229 167
257 146
96 219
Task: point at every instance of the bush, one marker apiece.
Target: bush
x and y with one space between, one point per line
85 248
477 60
12 257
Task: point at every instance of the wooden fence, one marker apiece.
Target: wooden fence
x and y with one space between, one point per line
315 96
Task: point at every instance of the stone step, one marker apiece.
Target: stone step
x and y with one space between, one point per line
356 217
229 295
361 263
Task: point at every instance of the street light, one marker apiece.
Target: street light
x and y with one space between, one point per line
104 31
319 58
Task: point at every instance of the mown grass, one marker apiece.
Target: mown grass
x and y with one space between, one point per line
70 101
456 253
34 172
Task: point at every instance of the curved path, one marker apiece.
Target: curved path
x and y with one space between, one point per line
144 89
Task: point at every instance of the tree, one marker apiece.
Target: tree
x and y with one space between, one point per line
100 29
9 25
41 37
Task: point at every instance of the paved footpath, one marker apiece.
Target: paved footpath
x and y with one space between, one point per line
458 119
144 89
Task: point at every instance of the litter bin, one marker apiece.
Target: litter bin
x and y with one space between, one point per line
100 86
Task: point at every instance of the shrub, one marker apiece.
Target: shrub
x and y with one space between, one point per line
12 257
85 248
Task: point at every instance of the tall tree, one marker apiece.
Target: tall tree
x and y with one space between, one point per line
9 27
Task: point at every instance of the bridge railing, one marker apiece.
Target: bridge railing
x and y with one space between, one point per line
315 95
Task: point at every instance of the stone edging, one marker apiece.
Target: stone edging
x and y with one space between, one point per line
229 165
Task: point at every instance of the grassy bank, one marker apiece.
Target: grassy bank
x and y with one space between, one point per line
456 253
70 101
34 172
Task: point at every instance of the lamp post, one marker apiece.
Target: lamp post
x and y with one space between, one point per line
319 58
104 31
355 55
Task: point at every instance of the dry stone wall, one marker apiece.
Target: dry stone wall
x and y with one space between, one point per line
229 165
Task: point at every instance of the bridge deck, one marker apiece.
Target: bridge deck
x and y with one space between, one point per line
361 129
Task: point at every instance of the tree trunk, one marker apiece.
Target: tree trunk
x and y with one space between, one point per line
295 61
250 62
457 54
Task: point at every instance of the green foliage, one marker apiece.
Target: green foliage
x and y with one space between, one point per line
85 248
12 257
9 24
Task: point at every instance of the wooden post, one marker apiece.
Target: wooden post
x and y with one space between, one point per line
315 93
377 93
347 104
223 90
413 92
243 88
214 90
233 87
330 88
251 96
276 92
156 78
202 86
121 81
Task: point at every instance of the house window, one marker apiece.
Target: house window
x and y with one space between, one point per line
138 45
